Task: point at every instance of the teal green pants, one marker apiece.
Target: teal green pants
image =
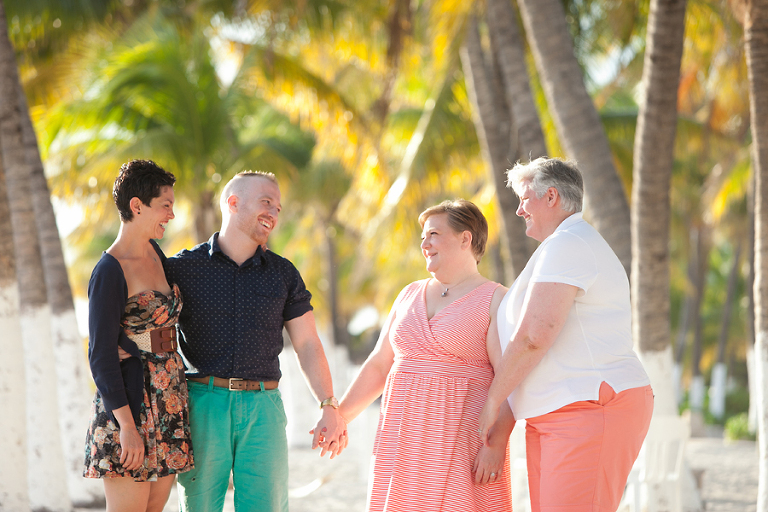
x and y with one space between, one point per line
242 432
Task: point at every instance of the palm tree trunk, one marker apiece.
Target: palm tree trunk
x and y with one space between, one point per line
503 25
577 121
652 173
750 290
756 43
205 216
45 456
720 369
13 442
72 373
702 246
493 123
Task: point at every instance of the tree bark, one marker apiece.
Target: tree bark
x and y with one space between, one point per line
503 25
45 457
578 123
653 160
72 373
14 493
756 43
701 244
493 123
720 369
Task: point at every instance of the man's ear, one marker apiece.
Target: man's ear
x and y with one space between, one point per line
232 203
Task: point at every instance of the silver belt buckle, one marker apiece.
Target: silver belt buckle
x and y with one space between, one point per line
230 384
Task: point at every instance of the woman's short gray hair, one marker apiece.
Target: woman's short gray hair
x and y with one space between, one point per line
543 173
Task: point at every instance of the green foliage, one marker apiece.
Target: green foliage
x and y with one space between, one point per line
737 427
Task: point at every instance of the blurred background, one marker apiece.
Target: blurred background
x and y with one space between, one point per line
368 112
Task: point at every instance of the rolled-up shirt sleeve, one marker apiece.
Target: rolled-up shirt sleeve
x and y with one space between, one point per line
298 301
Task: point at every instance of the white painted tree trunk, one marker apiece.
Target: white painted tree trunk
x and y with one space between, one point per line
696 393
761 397
677 382
13 441
717 390
752 386
74 400
661 370
47 490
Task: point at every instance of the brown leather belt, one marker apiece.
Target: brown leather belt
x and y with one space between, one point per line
237 384
163 339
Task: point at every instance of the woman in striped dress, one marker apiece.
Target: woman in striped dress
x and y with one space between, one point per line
433 363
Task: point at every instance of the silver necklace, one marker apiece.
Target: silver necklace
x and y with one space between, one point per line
445 292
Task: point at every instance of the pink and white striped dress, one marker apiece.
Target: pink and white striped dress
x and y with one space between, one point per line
427 437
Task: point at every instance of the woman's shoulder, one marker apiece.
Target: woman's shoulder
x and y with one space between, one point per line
107 275
108 265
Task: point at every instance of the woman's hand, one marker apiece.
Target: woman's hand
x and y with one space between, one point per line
488 417
132 448
330 433
489 463
131 443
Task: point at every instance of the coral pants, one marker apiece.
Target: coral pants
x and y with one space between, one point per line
579 456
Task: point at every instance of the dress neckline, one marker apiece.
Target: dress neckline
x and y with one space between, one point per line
460 299
173 293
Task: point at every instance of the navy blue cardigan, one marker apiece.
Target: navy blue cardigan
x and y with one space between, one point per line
118 382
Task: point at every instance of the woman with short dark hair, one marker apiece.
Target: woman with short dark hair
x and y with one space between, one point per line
138 439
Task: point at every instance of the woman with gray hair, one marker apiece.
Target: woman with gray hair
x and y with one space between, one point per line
568 367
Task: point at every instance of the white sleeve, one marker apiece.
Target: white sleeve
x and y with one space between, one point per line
566 258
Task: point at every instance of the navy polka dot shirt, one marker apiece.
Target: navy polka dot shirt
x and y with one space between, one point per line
231 325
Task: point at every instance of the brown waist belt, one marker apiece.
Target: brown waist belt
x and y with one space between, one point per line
156 340
164 339
237 384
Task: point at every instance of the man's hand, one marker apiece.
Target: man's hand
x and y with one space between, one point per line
122 354
330 433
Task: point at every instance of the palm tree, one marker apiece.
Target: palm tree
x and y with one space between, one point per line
45 457
653 160
577 121
494 123
504 29
756 42
14 493
156 93
73 375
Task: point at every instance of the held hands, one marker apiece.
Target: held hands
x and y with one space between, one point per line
330 433
489 463
488 417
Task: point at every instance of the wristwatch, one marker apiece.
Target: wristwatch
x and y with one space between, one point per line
330 401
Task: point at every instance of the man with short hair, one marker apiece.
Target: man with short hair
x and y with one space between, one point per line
238 296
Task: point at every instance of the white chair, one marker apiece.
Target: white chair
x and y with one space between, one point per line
664 451
658 468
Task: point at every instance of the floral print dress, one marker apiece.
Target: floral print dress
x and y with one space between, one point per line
164 412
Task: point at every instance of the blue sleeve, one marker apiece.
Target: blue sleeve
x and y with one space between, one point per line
116 381
298 301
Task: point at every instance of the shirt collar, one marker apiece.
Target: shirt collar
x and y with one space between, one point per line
570 221
260 256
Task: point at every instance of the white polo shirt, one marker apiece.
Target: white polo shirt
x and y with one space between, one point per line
595 344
